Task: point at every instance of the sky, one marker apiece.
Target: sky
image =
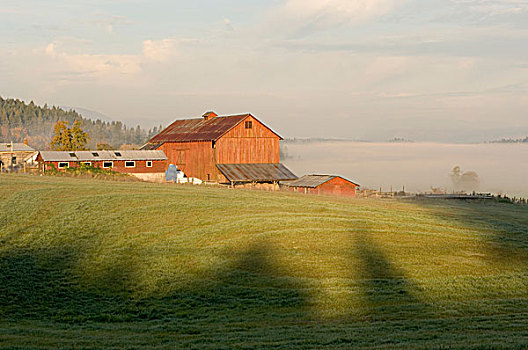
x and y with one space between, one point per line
424 70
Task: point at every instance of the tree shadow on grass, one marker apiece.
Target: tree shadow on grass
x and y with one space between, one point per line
388 294
249 288
43 284
503 226
247 302
255 277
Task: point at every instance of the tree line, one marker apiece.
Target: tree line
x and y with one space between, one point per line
20 120
521 140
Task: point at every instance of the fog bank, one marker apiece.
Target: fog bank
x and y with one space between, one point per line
502 168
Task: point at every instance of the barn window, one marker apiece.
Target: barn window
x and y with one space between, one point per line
249 124
118 154
130 164
13 160
63 165
95 154
149 164
108 164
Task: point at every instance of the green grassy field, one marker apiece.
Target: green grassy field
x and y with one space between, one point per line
90 264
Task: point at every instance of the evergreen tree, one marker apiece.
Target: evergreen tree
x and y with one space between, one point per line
19 120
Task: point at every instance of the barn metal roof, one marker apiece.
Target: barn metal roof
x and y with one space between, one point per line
314 180
83 156
256 172
17 147
151 146
187 130
198 129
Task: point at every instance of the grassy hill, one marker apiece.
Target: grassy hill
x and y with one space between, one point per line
87 264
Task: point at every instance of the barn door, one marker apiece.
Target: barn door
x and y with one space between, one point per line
181 157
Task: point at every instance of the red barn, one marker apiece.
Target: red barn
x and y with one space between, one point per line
323 184
214 148
146 165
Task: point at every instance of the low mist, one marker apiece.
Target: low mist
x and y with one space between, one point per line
497 168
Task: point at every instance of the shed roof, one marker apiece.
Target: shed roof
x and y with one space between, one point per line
83 156
314 181
256 172
17 147
200 129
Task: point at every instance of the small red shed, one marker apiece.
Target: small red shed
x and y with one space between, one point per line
323 184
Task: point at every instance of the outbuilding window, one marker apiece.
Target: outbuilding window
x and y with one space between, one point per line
63 165
249 124
108 165
130 164
149 164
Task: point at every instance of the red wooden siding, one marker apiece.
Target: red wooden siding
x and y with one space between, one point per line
258 130
195 159
247 150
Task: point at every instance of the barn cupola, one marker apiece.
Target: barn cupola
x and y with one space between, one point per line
209 115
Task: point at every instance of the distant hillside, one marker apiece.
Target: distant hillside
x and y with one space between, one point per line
20 120
521 140
317 139
87 113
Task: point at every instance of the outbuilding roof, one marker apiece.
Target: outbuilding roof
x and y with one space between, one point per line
83 156
200 129
256 172
314 181
17 147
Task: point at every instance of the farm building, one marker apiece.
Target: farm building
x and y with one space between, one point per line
146 165
236 148
323 184
12 155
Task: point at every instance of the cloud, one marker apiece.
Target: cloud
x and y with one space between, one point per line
228 25
492 8
325 13
8 11
102 65
159 50
483 12
109 22
93 64
50 50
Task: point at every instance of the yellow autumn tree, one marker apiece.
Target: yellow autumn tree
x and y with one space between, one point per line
69 139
